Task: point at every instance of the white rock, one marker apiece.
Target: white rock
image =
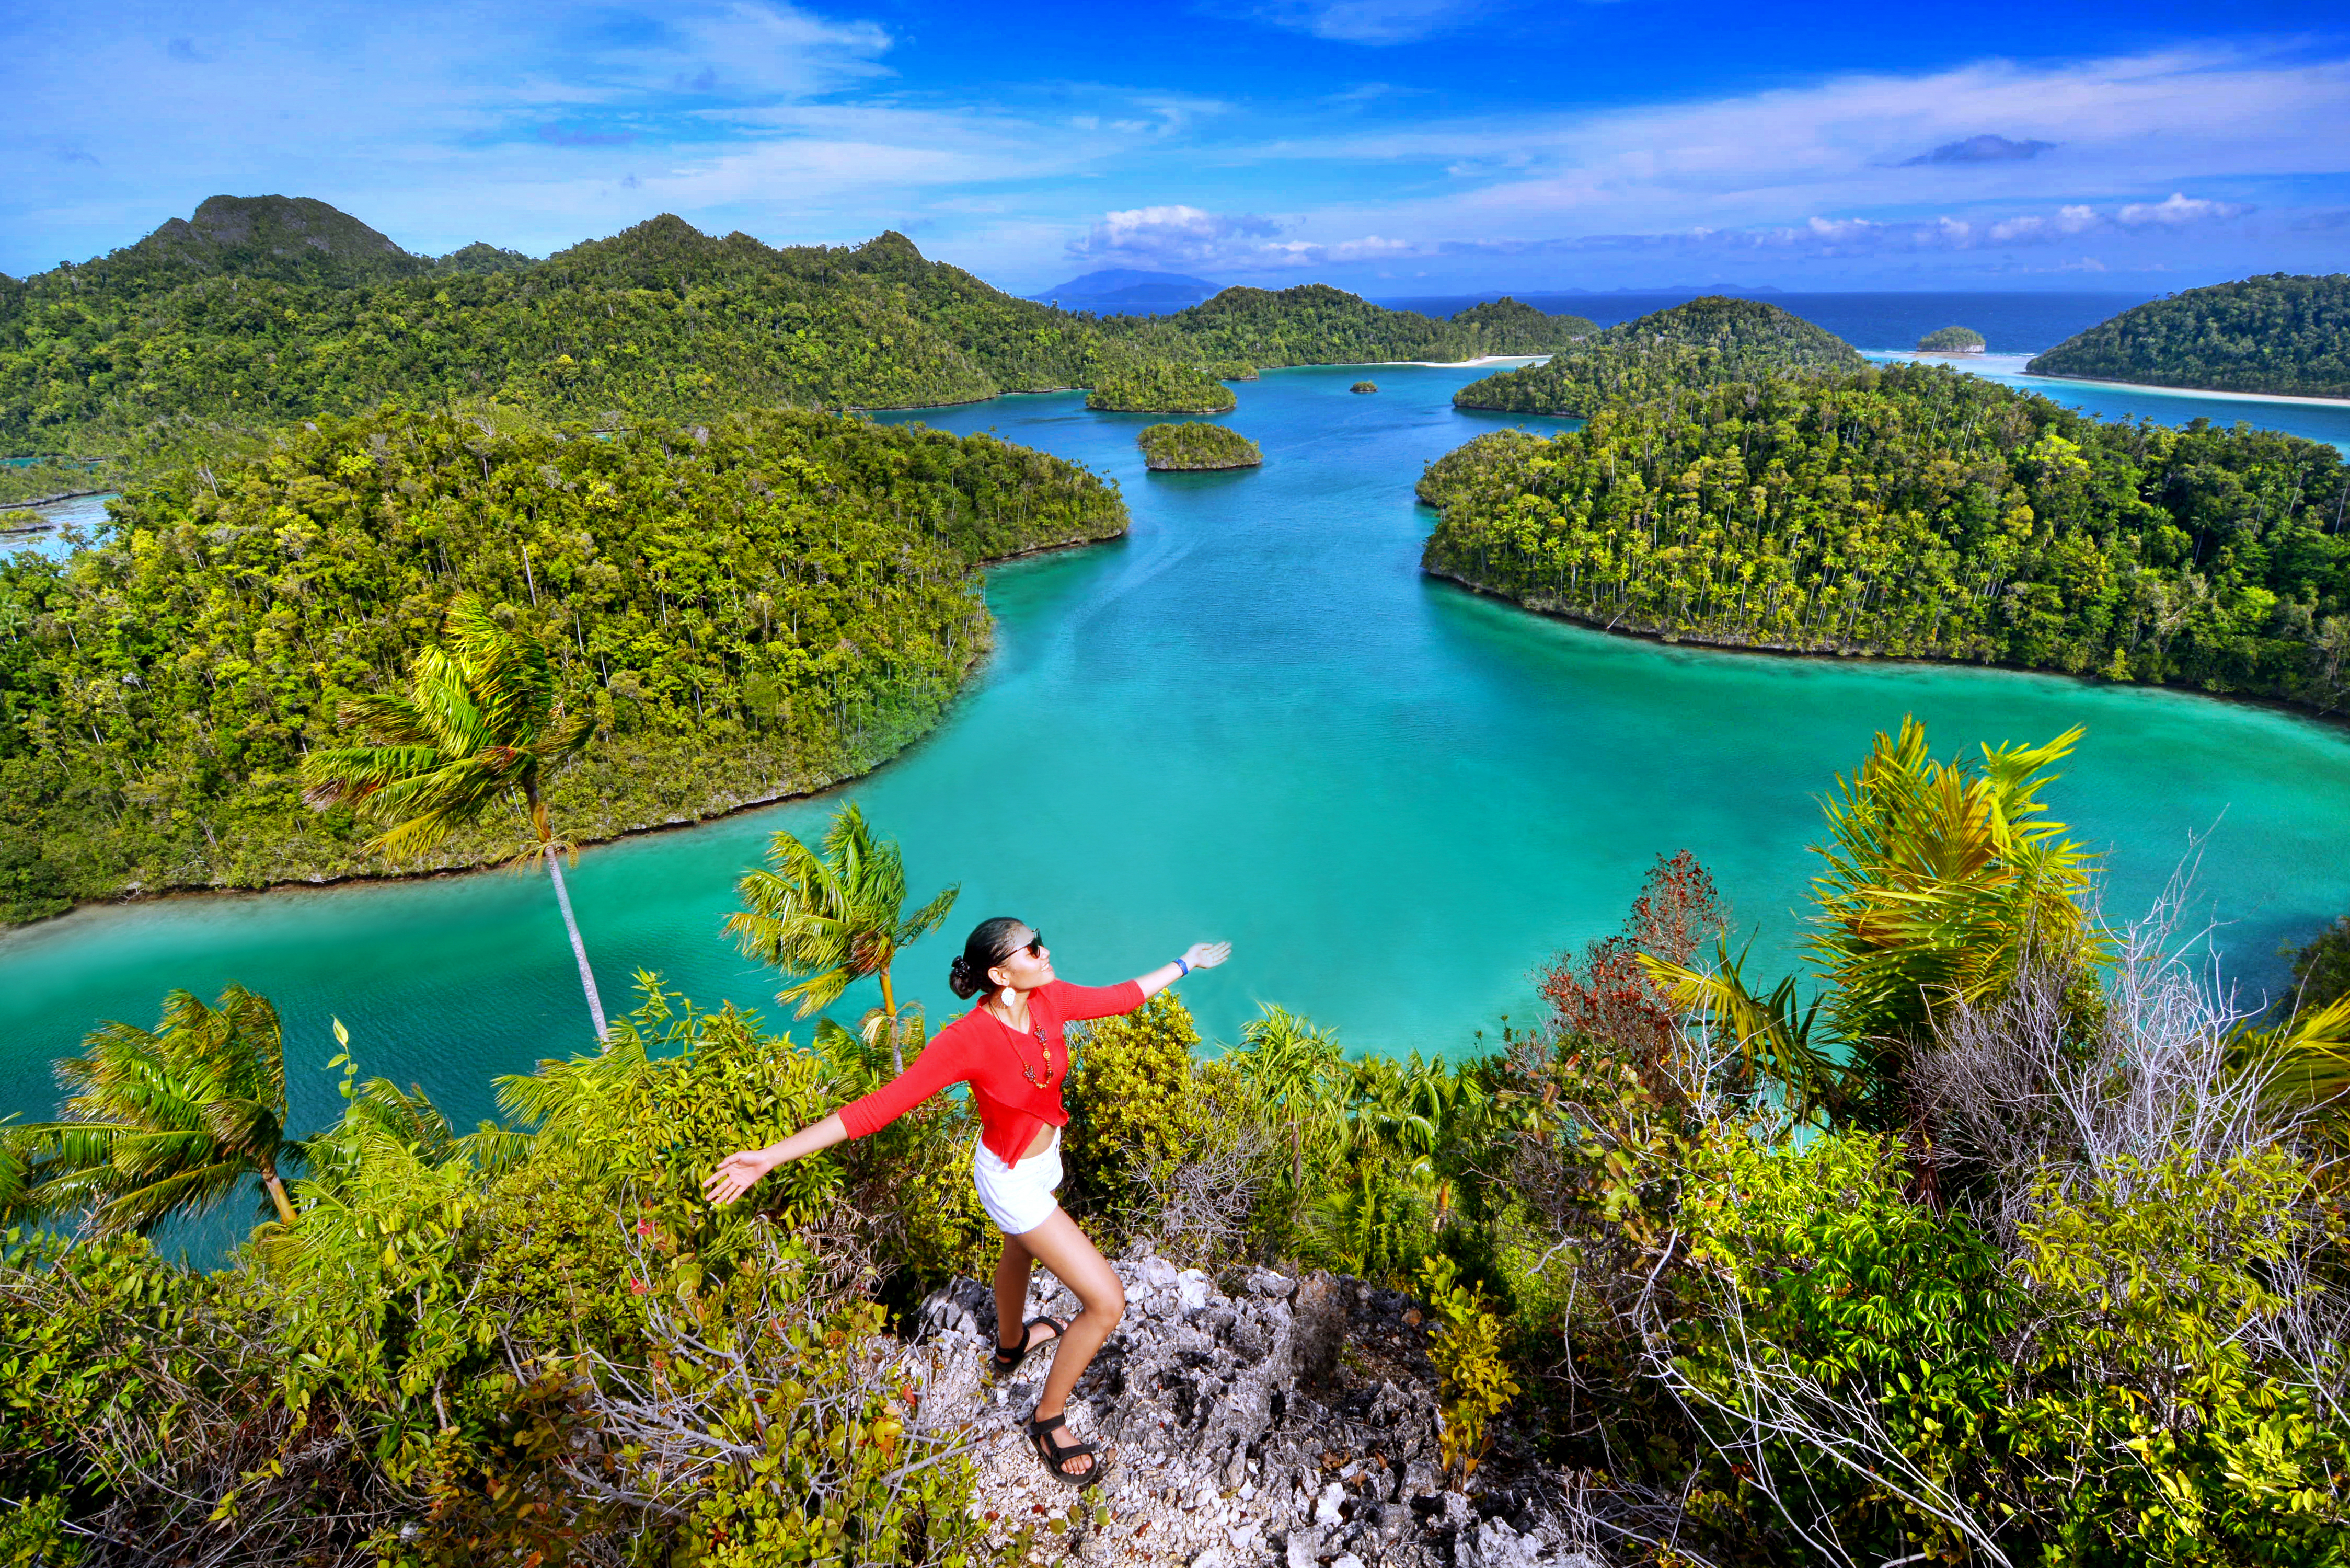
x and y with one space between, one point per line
1210 1558
1158 1274
1326 1507
1192 1287
1348 1560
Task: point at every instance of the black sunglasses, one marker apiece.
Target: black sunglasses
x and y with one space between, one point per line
1034 946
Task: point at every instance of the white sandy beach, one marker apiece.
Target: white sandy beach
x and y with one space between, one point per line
1466 364
2012 365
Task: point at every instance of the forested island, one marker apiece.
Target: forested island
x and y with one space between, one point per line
2283 336
1161 386
1195 443
1916 512
1951 340
1705 340
755 607
200 338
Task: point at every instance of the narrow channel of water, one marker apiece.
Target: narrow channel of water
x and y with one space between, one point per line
1253 718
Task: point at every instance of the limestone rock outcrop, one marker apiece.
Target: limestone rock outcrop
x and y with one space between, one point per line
1293 1423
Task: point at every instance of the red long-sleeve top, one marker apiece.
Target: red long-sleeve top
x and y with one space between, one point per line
984 1052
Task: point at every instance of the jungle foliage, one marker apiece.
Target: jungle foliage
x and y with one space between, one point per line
1161 386
2044 1275
206 335
2280 334
1193 444
737 611
1919 513
1694 345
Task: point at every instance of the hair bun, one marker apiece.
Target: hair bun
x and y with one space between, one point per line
958 977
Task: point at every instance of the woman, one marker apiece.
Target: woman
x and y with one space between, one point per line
1011 1051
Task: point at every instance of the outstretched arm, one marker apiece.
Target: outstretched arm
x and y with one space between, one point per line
1199 955
738 1173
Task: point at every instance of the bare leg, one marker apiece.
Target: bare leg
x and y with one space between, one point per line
1061 1247
1012 1293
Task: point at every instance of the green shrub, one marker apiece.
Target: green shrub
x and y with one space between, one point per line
2156 1417
1467 1348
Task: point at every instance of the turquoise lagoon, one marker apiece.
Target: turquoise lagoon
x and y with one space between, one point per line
1252 719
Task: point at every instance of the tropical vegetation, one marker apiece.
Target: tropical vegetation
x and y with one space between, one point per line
1161 386
195 343
1996 1235
482 725
1951 340
1364 387
2281 335
1916 512
1195 443
835 916
1693 345
721 614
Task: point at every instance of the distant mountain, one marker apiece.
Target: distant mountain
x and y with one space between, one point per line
294 239
1128 291
2281 335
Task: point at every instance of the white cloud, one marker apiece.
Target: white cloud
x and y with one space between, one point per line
1372 21
1175 237
2179 209
2123 124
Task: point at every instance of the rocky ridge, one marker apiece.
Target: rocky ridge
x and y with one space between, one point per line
1293 1423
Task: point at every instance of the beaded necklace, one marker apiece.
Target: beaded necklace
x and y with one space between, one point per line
1043 1049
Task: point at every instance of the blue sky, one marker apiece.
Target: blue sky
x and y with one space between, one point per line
1393 147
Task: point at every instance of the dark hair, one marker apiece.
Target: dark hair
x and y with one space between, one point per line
988 944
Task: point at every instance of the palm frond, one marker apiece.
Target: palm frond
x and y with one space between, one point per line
2306 1058
1772 1038
340 775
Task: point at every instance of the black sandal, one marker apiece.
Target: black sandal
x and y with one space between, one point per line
1059 1455
1007 1362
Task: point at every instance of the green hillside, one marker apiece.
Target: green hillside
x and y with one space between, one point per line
759 606
258 312
1161 386
1705 341
2281 335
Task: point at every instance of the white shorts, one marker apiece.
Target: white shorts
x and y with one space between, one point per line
1018 1197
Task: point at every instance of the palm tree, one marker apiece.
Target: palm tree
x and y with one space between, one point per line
835 917
480 724
1300 1072
1941 878
175 1117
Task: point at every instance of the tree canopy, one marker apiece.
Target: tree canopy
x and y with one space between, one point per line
2280 334
200 338
756 606
1951 340
1917 511
1193 444
1161 386
1705 340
